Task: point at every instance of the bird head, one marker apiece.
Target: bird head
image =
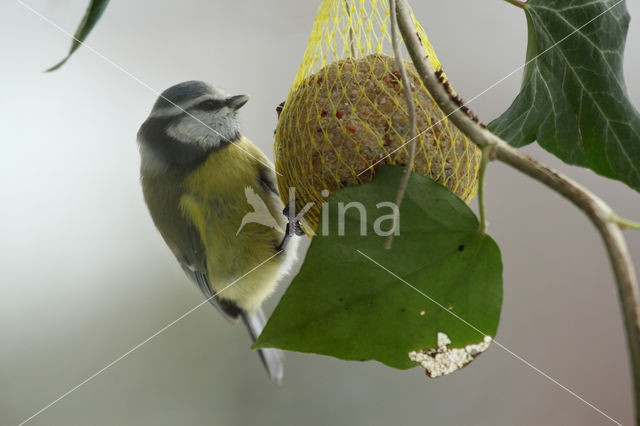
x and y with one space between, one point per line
189 120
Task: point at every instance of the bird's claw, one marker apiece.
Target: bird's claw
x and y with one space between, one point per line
293 227
279 109
295 223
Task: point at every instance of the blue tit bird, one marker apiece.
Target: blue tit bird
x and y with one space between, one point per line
212 194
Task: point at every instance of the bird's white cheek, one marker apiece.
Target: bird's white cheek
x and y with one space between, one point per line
191 130
207 130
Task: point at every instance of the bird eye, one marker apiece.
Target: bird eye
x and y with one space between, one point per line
210 105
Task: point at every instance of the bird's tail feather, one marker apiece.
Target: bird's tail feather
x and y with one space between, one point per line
271 358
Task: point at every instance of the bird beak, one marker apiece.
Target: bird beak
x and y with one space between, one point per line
236 102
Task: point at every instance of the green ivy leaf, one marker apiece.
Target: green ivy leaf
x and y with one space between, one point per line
343 303
574 99
91 17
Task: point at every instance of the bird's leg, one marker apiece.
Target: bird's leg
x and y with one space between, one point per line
293 223
285 240
293 218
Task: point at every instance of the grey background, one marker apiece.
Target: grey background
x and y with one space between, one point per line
84 276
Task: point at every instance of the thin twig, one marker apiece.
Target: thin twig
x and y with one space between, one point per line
600 214
411 111
352 48
625 223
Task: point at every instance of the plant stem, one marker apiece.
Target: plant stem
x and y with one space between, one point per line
411 111
486 154
351 46
602 216
517 3
625 223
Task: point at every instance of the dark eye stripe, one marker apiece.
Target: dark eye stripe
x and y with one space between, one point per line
210 105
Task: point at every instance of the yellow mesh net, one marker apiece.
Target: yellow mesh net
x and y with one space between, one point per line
346 114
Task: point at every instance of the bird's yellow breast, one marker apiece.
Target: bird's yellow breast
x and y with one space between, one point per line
215 202
226 169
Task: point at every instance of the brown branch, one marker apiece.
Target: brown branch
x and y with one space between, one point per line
601 215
